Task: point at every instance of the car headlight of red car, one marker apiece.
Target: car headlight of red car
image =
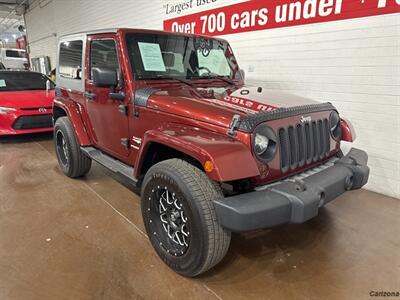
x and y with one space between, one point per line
6 110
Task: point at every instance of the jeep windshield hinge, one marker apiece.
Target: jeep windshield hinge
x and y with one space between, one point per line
234 125
123 109
125 143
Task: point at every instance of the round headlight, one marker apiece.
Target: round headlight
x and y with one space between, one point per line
335 126
260 144
264 143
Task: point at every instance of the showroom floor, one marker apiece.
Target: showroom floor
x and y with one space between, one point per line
84 239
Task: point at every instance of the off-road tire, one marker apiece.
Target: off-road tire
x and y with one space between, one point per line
77 163
208 240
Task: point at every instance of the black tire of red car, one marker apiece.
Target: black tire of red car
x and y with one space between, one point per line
193 192
71 159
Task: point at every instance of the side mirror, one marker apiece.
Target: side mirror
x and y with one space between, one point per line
242 74
105 77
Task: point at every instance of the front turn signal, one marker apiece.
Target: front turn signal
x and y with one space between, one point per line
348 132
208 166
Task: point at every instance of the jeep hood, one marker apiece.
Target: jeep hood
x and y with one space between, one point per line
218 105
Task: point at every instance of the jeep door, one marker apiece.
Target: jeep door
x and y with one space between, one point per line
108 121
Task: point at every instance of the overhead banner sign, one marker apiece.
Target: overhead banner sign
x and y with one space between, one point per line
267 14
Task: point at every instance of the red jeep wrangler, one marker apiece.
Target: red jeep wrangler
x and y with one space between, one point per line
171 113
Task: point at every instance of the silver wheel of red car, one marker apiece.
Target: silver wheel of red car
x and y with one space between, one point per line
179 216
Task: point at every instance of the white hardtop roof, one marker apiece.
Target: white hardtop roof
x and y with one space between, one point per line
15 49
84 33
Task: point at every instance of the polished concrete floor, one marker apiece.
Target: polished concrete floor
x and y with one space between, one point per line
84 239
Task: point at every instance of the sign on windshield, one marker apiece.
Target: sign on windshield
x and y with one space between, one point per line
215 61
155 56
151 57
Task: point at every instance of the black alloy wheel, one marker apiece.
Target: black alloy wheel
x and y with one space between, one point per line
179 216
168 221
61 148
73 162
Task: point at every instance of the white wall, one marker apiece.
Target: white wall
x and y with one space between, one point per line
353 63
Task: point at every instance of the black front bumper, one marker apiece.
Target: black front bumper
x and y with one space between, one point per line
33 122
293 201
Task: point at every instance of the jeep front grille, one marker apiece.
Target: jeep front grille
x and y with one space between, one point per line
303 144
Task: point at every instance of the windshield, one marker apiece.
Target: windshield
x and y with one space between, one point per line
15 54
155 56
21 81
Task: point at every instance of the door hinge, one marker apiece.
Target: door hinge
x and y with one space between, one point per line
125 143
123 109
234 125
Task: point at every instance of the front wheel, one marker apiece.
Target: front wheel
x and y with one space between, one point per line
179 216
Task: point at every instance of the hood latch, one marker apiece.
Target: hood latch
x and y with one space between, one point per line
234 125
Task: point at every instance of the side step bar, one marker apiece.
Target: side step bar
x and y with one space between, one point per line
111 163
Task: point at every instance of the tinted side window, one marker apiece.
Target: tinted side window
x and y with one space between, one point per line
23 81
15 53
103 54
70 61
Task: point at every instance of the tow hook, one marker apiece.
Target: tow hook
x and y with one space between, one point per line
300 185
234 125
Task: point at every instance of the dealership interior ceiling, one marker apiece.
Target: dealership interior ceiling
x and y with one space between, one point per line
11 15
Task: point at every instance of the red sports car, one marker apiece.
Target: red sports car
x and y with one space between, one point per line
26 100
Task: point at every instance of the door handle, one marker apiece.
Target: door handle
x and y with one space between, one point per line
90 96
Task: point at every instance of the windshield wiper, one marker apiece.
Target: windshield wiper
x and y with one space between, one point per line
220 77
223 78
163 77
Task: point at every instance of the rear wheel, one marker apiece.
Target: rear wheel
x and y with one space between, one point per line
71 159
179 216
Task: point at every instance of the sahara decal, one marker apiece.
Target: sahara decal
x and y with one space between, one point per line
243 104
